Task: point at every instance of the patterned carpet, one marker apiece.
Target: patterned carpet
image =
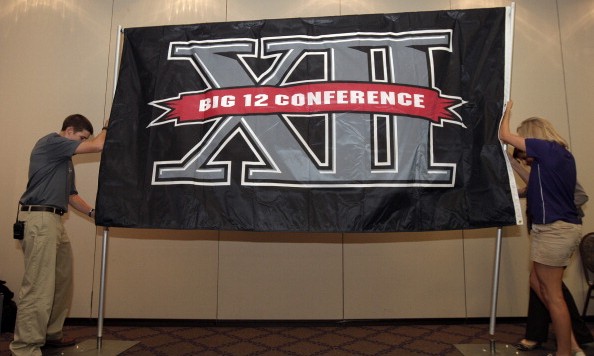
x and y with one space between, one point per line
313 338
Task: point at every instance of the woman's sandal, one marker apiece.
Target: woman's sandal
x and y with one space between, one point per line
520 346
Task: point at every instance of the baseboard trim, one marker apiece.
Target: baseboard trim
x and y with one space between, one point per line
250 323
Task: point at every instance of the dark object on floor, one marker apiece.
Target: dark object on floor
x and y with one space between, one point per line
9 309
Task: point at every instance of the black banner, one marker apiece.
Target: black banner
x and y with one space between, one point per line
382 122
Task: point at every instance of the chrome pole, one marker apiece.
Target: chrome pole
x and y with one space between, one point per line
495 287
102 289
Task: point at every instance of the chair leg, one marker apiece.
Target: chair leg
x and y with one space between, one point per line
587 301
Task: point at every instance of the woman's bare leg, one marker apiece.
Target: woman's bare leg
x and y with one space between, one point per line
547 280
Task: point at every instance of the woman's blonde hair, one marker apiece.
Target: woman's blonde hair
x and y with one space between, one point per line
536 127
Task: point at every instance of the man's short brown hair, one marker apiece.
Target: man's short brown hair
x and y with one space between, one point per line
78 122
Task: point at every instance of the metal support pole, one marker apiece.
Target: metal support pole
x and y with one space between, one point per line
103 347
102 289
116 67
496 265
490 349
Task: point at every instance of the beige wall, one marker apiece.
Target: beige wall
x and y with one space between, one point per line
57 57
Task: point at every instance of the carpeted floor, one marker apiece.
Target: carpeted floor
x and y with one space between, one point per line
303 338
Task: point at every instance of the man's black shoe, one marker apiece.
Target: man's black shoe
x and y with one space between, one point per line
63 342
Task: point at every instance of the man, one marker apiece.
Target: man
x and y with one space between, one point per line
46 290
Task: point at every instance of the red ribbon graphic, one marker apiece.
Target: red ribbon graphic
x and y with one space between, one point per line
311 98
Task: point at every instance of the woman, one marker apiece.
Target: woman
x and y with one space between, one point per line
556 226
538 319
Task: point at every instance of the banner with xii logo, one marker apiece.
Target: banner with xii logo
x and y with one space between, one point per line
382 122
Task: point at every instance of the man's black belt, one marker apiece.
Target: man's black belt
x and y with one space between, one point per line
50 209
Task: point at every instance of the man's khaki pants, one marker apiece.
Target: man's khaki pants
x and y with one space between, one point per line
46 290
